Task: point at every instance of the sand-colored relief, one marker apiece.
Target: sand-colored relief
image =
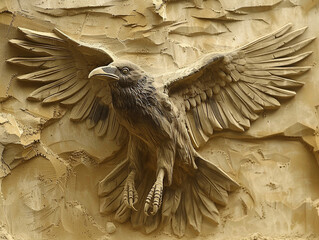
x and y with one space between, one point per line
68 171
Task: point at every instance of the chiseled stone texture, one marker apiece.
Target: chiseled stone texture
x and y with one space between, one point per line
50 167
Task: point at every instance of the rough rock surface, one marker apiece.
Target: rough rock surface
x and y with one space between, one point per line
50 167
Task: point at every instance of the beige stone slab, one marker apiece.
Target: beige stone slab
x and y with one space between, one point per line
51 167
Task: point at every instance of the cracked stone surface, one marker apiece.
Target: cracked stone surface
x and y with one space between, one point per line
50 167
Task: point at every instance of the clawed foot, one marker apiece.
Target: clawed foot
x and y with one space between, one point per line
154 198
130 196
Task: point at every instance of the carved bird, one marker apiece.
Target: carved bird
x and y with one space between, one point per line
164 179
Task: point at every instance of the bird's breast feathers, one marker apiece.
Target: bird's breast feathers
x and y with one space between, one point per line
139 110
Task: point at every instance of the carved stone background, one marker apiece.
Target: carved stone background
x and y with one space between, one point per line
50 167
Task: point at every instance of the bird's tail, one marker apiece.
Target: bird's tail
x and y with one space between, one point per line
110 191
197 198
187 204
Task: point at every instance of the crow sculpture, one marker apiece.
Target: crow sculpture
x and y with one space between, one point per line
164 180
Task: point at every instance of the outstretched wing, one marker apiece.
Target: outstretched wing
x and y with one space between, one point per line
64 65
228 91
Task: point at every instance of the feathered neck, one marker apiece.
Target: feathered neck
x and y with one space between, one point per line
134 96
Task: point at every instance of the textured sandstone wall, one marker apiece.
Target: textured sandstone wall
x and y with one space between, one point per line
50 167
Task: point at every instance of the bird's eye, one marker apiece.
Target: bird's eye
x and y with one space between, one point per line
125 70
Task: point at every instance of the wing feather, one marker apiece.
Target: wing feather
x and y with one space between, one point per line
229 116
281 52
42 37
61 95
204 120
40 49
241 105
218 113
278 62
48 75
197 136
276 34
275 43
78 96
52 88
212 118
62 66
42 62
235 111
229 91
102 125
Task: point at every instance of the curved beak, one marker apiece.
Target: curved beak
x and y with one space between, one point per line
106 73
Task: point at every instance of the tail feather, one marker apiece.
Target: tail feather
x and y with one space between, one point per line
194 215
206 205
110 189
171 200
123 213
216 174
112 201
171 204
197 198
179 219
182 204
151 223
114 179
211 189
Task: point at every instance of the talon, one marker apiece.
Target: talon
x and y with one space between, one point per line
125 195
132 206
157 198
130 196
155 209
135 197
146 208
148 201
134 200
130 201
154 198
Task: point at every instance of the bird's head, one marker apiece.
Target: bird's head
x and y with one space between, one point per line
122 73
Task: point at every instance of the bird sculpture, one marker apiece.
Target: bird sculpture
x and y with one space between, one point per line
162 120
